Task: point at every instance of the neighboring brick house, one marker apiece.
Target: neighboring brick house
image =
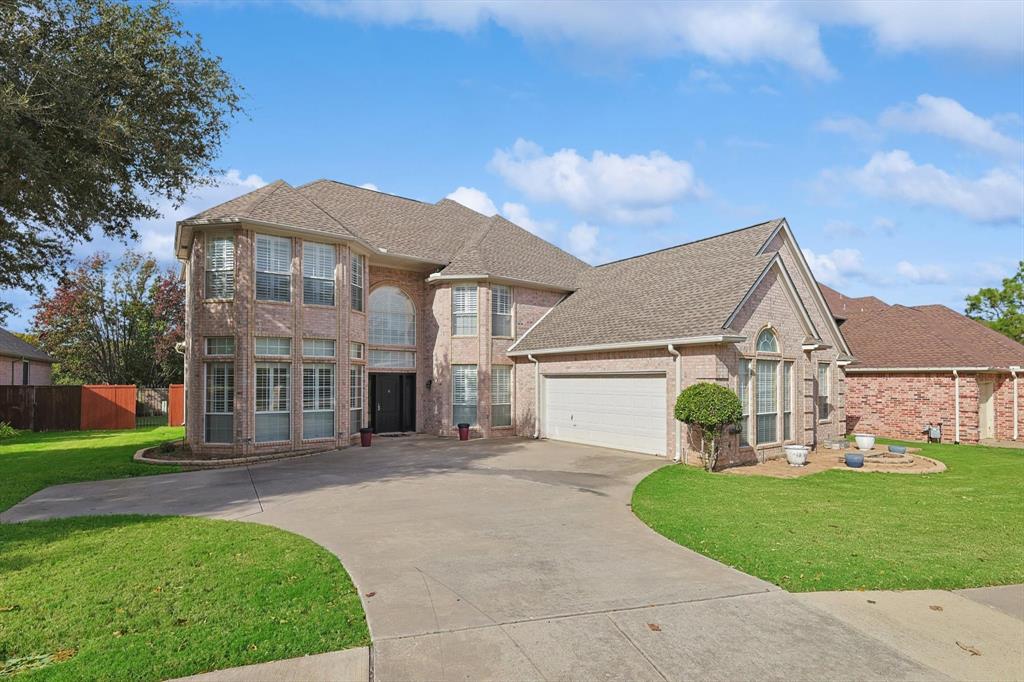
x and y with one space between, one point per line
21 363
314 310
925 365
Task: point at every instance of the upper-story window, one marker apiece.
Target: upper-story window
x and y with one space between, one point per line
767 342
501 310
317 274
392 318
220 267
358 268
273 268
464 310
824 401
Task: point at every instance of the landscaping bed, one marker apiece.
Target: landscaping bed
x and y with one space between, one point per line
838 530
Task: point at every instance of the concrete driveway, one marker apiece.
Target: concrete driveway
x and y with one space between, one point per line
511 559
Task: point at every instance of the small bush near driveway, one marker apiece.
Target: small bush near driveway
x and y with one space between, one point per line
844 530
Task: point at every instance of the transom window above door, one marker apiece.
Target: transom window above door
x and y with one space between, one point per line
392 318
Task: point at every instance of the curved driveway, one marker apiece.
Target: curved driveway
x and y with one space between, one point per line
511 559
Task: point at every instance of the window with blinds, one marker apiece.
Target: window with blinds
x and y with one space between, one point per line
273 406
273 268
317 274
220 402
824 407
501 310
318 348
317 401
392 318
392 359
743 391
220 345
273 345
220 267
501 395
787 400
464 310
464 394
767 401
355 397
357 277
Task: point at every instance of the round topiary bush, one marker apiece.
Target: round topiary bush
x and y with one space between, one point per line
711 408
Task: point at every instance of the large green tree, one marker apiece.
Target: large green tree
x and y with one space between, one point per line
114 323
106 108
1002 309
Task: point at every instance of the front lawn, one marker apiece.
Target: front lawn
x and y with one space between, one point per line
844 530
31 461
150 598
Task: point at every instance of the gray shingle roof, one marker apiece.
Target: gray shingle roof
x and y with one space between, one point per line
684 291
13 347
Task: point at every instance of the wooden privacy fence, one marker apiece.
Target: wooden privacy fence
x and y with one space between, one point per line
176 405
108 407
42 408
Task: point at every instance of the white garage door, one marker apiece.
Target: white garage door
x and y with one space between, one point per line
624 412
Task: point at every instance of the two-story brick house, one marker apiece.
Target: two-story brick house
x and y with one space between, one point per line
313 311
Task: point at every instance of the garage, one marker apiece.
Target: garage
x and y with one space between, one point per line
622 411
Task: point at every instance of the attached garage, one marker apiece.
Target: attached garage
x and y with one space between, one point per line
623 411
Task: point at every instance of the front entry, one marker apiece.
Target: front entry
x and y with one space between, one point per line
393 397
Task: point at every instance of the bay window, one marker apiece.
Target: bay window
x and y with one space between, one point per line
220 267
464 394
501 395
501 310
273 404
273 268
219 402
357 277
317 401
464 310
317 274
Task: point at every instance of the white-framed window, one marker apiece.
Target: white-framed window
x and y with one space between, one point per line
219 403
464 310
358 276
464 394
501 310
392 359
355 397
356 350
787 400
220 345
743 391
317 273
273 401
501 395
220 267
273 268
273 345
824 406
767 342
318 348
317 401
392 318
767 401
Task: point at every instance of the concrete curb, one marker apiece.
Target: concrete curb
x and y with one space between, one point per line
347 665
143 457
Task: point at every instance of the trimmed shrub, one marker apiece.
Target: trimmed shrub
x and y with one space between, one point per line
711 408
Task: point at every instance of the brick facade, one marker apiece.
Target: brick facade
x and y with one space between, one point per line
899 405
12 372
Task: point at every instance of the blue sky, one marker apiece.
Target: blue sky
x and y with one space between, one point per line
890 135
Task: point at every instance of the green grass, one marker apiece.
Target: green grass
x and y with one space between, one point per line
844 530
149 598
31 461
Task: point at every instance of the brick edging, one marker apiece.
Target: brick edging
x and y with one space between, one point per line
141 456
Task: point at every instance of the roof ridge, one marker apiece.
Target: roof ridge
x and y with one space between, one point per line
276 184
365 189
691 243
327 213
498 217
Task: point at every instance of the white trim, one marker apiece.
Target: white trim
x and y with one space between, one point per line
437 278
596 348
902 370
790 289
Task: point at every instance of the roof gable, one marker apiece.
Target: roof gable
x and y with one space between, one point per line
14 347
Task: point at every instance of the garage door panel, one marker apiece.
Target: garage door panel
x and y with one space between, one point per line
626 412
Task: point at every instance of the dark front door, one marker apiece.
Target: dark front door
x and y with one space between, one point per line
394 402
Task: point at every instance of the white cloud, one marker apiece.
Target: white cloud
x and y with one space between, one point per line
948 118
922 274
370 185
626 189
474 199
850 125
747 32
582 240
836 267
997 196
707 79
520 215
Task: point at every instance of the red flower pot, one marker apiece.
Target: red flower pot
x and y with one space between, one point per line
365 437
463 431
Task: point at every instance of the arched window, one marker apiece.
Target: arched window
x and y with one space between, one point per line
766 342
392 318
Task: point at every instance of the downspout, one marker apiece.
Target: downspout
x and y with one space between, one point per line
679 380
1016 419
536 395
956 388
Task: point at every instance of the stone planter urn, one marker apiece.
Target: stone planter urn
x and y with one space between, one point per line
865 441
796 455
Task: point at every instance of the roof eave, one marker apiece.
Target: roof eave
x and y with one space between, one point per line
909 370
632 345
497 279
